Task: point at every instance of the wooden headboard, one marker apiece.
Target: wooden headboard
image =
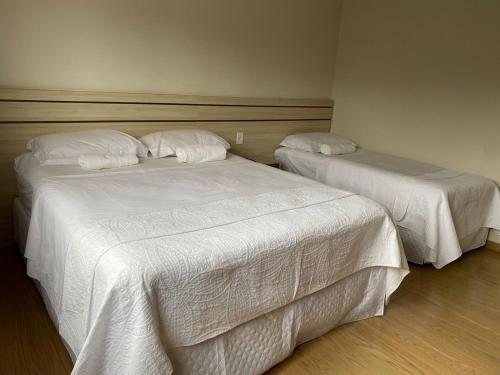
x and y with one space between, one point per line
26 113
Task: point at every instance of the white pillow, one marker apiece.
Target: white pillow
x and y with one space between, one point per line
165 143
66 148
312 142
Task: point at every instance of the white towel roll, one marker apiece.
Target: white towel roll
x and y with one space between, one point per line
337 149
200 153
106 161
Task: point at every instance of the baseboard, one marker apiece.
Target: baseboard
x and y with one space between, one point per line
493 245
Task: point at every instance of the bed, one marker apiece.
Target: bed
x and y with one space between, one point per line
218 268
440 213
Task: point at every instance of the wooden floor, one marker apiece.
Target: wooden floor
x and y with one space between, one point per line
439 322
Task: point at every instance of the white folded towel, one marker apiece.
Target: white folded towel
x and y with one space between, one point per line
106 161
337 149
200 153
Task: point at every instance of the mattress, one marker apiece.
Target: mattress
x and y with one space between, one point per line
139 264
441 213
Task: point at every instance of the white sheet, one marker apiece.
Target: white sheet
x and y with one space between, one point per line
30 173
139 262
445 210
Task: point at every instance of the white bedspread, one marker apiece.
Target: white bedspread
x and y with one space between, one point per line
441 206
140 261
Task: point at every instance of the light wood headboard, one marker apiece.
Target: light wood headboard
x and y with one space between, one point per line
25 114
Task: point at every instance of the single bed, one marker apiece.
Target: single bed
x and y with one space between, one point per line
440 213
220 267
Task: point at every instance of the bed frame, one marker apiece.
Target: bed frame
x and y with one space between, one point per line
26 113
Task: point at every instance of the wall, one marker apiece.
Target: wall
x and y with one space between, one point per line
421 79
282 48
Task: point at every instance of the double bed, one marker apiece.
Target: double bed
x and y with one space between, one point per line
440 213
220 267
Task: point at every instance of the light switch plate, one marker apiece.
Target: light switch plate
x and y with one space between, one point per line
239 138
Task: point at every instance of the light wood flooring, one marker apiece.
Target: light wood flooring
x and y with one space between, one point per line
438 322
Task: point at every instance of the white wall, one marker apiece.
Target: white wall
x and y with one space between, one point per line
421 79
414 78
283 48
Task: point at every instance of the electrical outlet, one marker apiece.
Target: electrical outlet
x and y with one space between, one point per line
239 138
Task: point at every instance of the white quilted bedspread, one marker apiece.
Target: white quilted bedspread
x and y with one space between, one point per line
440 206
137 262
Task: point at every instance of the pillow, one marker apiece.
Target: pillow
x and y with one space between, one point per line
165 143
66 148
312 142
200 153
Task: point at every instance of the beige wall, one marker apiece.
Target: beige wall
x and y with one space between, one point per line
283 48
421 79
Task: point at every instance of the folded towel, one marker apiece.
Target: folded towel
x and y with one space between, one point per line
337 149
106 161
200 153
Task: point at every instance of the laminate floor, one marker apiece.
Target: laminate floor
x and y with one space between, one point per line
438 322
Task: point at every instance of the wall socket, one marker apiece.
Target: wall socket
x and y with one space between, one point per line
239 138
